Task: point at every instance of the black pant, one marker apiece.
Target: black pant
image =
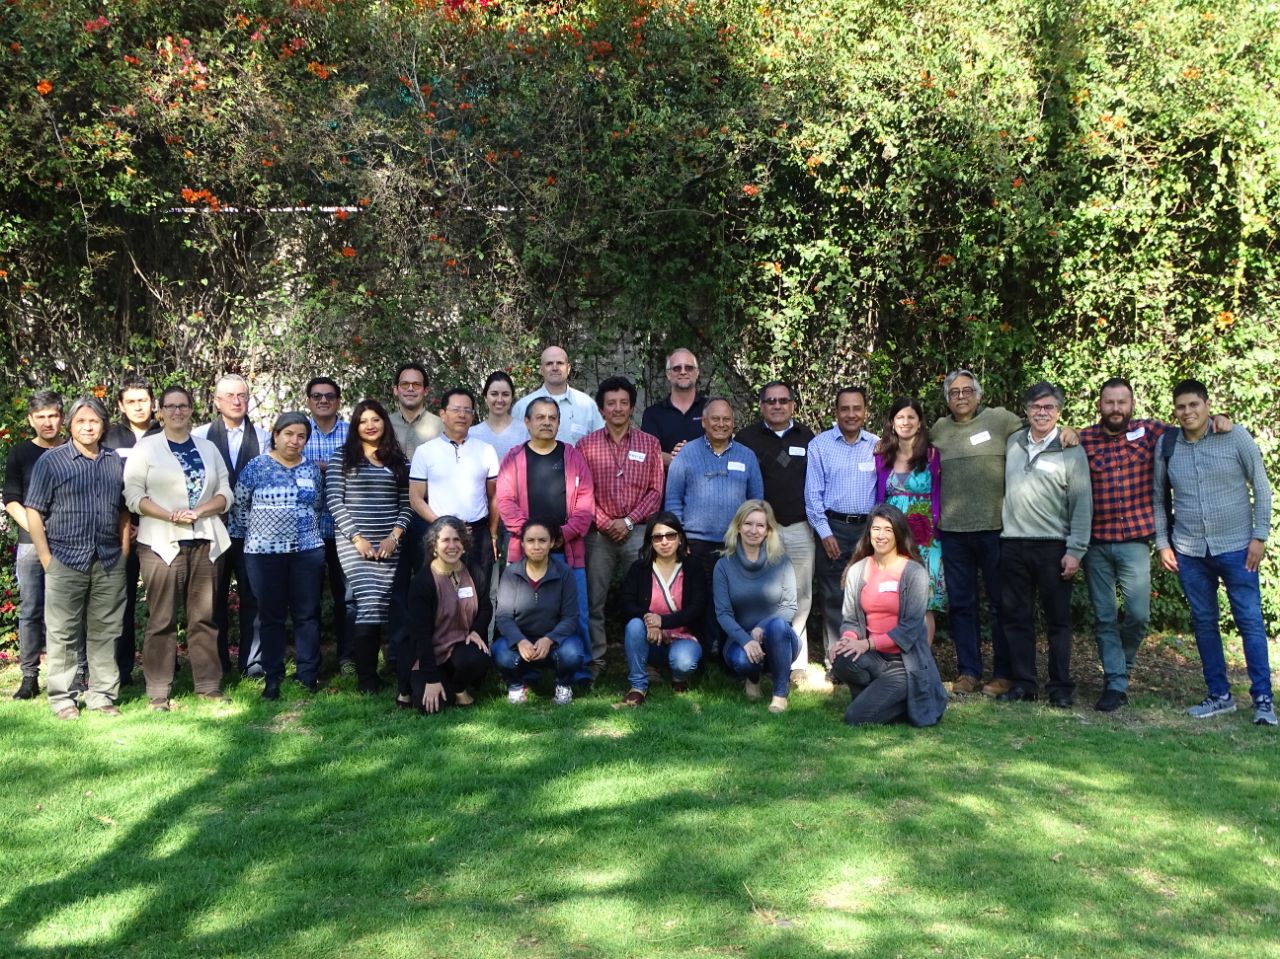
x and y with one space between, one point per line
127 641
250 644
878 682
708 554
465 668
829 572
344 603
1028 567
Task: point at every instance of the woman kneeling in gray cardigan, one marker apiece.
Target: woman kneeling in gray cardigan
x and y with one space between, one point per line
883 653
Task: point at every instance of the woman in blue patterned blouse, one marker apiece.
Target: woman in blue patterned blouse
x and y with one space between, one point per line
279 498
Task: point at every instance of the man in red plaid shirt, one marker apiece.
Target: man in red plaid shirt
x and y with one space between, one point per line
1122 452
626 465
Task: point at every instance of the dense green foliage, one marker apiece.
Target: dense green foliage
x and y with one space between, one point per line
334 826
874 191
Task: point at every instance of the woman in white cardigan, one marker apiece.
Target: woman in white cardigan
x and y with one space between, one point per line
178 485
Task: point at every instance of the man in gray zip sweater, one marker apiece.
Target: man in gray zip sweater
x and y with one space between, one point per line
1048 511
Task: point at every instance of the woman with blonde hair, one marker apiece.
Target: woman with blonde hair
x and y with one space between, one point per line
754 587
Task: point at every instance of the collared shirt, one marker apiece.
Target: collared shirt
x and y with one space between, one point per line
841 477
412 435
1212 479
1121 469
628 475
81 499
705 488
579 414
671 425
783 460
319 450
457 476
1036 447
1047 493
235 437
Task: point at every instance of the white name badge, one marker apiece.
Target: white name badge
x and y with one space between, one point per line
466 592
977 439
889 587
635 456
796 450
737 467
1137 434
1048 466
306 482
123 452
866 467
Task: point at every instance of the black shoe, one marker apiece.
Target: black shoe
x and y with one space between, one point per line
310 685
254 672
126 679
1017 695
271 691
29 689
1059 701
1111 700
369 685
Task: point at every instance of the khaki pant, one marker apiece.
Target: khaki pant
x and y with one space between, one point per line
189 581
96 599
799 543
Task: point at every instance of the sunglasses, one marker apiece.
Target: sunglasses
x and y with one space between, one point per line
664 537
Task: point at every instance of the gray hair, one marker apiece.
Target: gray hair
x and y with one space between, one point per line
235 378
292 418
955 375
1039 391
93 405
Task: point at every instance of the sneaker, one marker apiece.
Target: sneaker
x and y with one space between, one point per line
563 696
518 695
1264 713
1213 706
347 667
29 689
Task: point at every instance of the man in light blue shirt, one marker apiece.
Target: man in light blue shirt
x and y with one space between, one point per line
578 412
839 491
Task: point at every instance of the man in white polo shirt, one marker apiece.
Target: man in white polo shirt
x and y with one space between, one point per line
453 475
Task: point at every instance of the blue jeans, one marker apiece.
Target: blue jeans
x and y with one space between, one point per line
1200 576
583 673
1128 566
30 576
963 556
781 646
683 655
288 587
567 658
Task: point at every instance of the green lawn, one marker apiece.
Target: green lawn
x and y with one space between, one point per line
701 826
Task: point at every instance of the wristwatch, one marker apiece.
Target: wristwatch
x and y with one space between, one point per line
630 525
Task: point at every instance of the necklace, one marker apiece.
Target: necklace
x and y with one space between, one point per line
620 461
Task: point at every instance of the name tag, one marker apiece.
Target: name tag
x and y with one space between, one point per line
306 482
889 587
977 439
737 467
1137 434
123 452
635 456
796 450
1047 466
866 467
466 592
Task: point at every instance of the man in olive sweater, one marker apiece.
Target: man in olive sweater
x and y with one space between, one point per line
1048 512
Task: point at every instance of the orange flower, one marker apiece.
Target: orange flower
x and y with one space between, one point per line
341 214
1017 183
99 391
1005 327
348 251
1226 318
946 259
551 181
750 189
44 88
363 201
451 262
16 47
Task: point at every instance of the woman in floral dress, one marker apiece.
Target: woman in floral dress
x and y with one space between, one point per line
907 476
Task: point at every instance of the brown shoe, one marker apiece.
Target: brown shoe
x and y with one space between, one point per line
634 697
67 712
108 710
966 685
679 686
997 687
160 706
218 696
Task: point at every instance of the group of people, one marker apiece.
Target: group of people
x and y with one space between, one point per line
711 540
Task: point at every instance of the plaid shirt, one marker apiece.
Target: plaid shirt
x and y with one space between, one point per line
628 475
1121 468
319 450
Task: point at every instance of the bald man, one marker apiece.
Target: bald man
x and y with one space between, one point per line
579 414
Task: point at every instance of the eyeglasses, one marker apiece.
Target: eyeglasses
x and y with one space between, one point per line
664 537
963 393
683 368
411 386
176 407
777 400
1044 408
323 397
464 410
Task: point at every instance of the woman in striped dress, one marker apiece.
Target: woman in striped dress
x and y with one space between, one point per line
367 489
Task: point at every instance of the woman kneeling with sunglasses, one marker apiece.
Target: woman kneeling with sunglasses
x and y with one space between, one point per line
664 601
